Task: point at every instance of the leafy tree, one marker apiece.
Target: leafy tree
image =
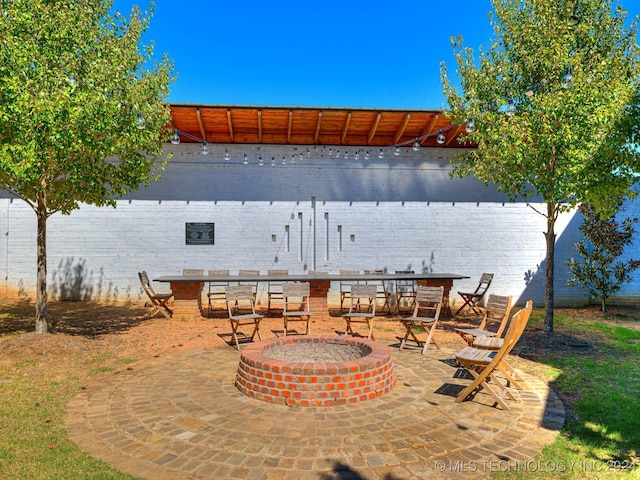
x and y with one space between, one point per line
81 110
554 105
605 240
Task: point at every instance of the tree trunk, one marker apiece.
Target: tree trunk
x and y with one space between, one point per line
41 282
550 237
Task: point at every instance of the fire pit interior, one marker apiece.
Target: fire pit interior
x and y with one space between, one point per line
315 370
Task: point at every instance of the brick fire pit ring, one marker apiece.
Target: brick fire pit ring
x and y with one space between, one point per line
313 371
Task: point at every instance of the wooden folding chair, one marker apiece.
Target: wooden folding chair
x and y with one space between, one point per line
426 313
381 289
494 320
242 312
193 272
274 288
484 342
216 289
158 300
483 364
296 304
472 299
254 285
345 287
405 289
362 308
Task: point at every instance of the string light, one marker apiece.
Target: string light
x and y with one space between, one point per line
397 151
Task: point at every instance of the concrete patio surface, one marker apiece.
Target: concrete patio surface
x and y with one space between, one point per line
179 416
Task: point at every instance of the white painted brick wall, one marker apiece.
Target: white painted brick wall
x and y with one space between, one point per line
403 213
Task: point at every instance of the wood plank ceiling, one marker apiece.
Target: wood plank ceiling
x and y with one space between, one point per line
312 126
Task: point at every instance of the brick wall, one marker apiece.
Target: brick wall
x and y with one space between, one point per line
322 213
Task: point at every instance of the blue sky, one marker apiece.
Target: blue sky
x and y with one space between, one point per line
328 53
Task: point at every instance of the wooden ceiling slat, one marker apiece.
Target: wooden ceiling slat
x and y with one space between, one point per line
374 127
428 128
402 128
289 126
203 131
230 122
345 129
260 126
453 136
315 137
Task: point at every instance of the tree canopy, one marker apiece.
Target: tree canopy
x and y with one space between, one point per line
554 104
82 108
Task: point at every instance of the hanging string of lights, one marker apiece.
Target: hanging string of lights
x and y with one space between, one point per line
366 153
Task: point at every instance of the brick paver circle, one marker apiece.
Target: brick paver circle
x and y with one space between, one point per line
182 417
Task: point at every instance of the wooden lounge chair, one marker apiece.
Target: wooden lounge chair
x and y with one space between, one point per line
242 312
296 304
494 320
158 300
484 364
485 342
362 308
425 317
472 299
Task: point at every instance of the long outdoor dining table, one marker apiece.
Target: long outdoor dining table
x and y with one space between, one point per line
187 289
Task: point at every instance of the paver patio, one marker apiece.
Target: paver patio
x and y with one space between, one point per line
180 416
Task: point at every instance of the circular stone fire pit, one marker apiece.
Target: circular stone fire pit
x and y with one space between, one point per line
313 371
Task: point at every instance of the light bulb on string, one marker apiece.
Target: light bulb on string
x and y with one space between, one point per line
273 161
175 138
380 154
357 155
245 159
470 127
284 160
293 159
416 145
367 155
205 148
140 122
260 161
396 151
567 79
227 154
346 155
441 138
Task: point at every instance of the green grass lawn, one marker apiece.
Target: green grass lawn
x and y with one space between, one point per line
601 436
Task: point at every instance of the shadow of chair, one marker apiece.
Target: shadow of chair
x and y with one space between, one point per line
296 308
158 300
426 312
